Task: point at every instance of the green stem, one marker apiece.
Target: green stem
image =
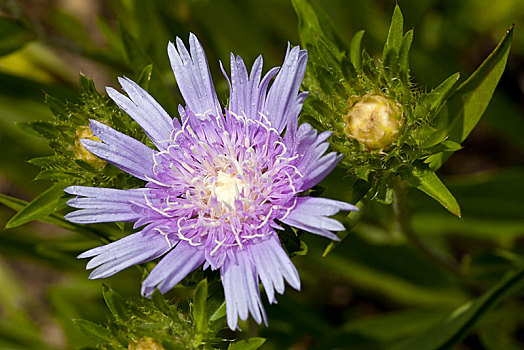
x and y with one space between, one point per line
349 223
403 223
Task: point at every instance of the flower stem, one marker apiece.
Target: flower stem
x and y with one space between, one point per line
403 223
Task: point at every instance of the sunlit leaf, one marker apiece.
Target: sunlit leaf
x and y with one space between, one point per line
464 108
45 204
248 344
427 181
94 331
355 49
199 306
145 77
115 303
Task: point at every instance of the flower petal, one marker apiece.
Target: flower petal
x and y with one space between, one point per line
193 77
128 251
282 99
103 204
313 163
241 290
173 268
123 151
272 264
310 214
144 109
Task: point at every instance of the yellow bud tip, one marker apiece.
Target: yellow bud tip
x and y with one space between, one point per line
145 343
83 132
374 121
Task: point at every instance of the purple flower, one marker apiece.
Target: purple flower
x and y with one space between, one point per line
220 183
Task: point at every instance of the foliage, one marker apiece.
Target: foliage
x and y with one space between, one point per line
406 275
181 324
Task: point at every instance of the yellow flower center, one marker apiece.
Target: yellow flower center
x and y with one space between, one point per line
228 188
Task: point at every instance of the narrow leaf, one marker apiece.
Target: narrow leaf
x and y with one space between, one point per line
424 179
54 219
248 344
199 306
94 331
464 108
396 33
219 313
455 327
308 25
403 57
115 303
43 205
355 49
145 77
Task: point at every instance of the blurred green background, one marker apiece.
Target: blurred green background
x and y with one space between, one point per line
374 289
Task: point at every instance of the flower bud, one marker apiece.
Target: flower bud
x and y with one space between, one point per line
83 132
145 343
374 121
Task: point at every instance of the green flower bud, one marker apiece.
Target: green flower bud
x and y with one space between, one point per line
374 121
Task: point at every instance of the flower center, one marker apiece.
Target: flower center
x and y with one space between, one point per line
228 188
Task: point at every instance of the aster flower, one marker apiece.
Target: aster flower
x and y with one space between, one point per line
219 185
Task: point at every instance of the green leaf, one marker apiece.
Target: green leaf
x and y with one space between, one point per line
384 194
308 25
199 307
355 49
445 146
403 57
431 102
115 303
424 179
464 108
395 35
457 325
145 77
54 219
13 35
350 222
248 344
219 313
94 331
45 204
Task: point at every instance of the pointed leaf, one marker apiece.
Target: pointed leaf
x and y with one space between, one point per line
160 303
355 49
199 306
403 57
248 344
115 303
424 179
219 313
454 328
308 25
53 219
462 111
431 102
145 77
94 331
395 35
43 205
